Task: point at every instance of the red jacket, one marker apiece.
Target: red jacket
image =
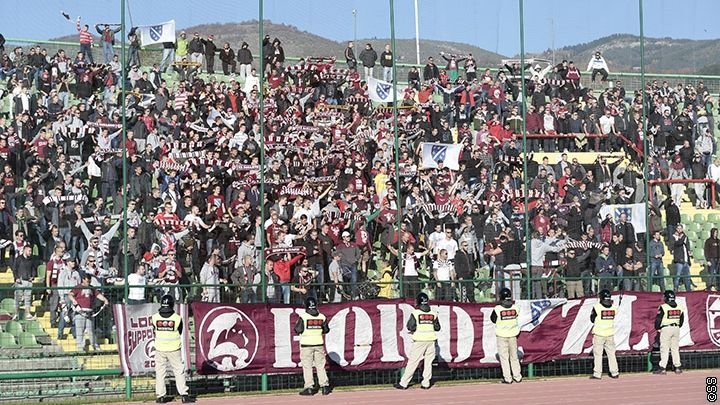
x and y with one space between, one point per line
282 268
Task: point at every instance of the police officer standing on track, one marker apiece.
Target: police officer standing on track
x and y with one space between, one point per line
168 328
668 321
311 327
423 324
603 316
505 317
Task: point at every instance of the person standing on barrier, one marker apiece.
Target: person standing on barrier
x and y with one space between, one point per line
668 321
505 317
424 325
603 317
312 326
168 329
82 299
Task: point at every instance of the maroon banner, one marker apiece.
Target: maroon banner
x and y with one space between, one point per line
365 335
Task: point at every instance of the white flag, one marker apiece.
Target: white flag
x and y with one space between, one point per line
380 90
449 154
155 34
636 214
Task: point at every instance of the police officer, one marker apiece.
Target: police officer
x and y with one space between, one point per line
603 317
168 327
311 327
505 317
423 324
669 319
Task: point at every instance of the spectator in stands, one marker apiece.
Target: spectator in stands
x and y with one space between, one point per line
368 57
711 250
107 37
24 274
83 297
598 65
86 40
350 56
386 61
137 282
680 245
68 278
227 59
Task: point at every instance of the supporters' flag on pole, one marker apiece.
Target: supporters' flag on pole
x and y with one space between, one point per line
636 214
432 153
380 91
155 34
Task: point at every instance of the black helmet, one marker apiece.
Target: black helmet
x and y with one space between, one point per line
310 303
167 301
669 296
422 299
604 294
505 294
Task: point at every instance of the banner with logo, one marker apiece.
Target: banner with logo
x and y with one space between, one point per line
155 34
257 338
434 153
136 342
636 214
380 91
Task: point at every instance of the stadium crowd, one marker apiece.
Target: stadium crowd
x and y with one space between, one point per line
335 215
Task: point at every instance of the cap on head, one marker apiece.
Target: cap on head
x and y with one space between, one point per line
310 303
505 294
669 296
422 299
605 294
167 301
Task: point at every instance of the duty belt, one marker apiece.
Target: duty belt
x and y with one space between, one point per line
672 324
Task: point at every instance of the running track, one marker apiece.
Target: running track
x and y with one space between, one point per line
636 389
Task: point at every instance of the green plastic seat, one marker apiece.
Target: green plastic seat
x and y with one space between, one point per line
7 341
35 328
714 218
684 219
694 227
27 340
699 218
8 305
41 272
14 328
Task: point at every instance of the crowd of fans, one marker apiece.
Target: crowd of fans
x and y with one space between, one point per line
337 210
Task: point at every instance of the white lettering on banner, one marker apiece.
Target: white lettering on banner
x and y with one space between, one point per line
405 334
362 339
283 338
389 333
443 335
580 328
623 321
465 334
685 337
372 335
489 342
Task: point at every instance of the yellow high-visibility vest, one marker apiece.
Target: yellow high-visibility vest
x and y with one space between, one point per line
604 321
506 324
167 332
425 322
312 334
671 316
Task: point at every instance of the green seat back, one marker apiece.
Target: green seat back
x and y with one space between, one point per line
7 341
35 328
8 305
27 340
14 328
